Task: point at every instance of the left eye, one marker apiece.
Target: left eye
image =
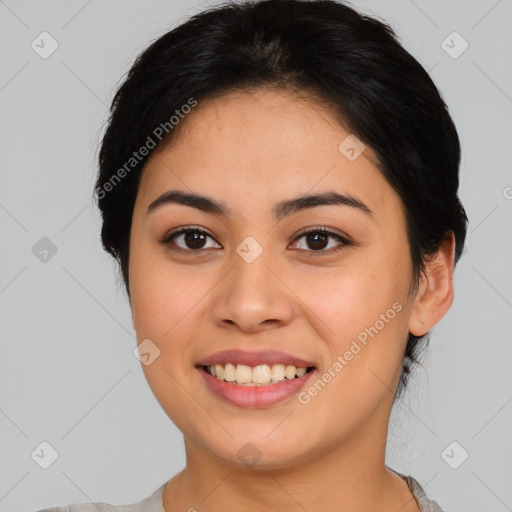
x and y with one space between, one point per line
318 240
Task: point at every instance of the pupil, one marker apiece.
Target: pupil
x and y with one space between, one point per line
194 239
315 238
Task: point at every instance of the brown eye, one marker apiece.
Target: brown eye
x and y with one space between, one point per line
317 240
188 239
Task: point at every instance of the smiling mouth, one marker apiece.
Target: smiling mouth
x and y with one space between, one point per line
254 376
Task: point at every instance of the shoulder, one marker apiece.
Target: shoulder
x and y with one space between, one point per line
153 503
90 507
81 507
425 504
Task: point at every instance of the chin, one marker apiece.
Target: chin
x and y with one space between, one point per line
259 453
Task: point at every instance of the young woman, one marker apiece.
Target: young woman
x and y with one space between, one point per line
278 182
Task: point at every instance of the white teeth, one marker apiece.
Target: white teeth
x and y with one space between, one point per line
219 371
289 372
253 376
300 372
261 374
278 372
230 372
243 373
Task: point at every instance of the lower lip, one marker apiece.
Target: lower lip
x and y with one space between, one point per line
255 396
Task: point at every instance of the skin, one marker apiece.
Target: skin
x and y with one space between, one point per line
251 150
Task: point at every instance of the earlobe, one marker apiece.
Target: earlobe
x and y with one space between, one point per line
435 291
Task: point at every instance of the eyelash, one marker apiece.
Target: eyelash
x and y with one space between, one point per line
343 241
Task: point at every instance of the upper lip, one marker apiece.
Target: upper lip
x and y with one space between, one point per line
254 358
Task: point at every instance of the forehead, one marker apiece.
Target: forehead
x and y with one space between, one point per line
262 145
245 124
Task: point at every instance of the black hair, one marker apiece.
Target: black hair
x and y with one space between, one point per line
352 61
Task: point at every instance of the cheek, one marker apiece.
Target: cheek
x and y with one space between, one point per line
161 295
168 305
352 298
164 303
366 317
361 313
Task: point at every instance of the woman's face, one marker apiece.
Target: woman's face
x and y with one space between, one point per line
254 282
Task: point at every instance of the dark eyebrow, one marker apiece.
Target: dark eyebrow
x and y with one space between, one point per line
280 210
310 201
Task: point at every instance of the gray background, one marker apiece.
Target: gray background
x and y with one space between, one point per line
68 374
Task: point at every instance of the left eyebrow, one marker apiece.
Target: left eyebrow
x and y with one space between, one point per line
280 210
311 201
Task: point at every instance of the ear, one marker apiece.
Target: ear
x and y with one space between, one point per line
435 291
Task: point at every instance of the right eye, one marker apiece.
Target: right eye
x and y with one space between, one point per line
187 239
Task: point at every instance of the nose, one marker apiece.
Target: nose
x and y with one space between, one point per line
252 297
